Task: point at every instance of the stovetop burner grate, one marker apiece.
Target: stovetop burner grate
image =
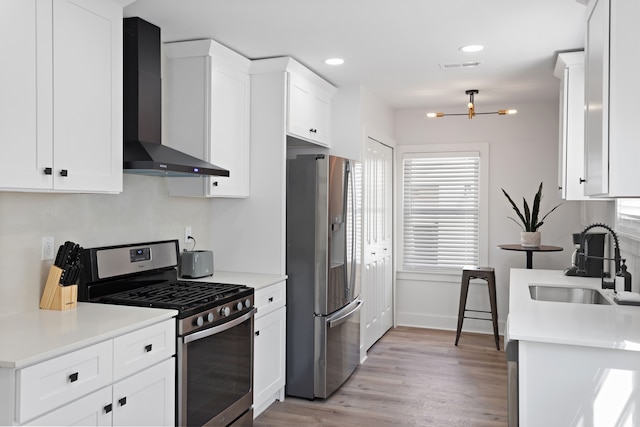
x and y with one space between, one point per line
180 295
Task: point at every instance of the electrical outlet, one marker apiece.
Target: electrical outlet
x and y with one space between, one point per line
47 248
187 233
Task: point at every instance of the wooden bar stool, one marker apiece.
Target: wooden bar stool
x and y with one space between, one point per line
487 274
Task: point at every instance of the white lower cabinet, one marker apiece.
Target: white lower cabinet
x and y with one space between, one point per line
90 410
146 398
127 380
269 347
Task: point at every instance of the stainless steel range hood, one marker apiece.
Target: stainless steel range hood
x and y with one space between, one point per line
143 150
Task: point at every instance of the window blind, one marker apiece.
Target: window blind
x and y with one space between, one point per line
441 199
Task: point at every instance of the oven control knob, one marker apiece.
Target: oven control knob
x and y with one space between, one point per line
247 303
225 311
199 321
210 317
239 306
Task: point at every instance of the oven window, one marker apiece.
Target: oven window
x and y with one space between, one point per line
219 372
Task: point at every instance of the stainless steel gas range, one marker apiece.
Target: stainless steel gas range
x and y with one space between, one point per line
214 359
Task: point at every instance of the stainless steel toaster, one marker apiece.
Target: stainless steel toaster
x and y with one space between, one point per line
195 264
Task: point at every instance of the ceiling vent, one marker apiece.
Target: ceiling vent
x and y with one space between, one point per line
472 64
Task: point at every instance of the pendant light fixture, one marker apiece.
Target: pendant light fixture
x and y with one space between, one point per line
471 113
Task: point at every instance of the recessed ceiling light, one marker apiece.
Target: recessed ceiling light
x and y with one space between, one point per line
334 61
472 48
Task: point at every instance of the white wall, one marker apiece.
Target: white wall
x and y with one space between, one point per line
142 212
523 152
355 115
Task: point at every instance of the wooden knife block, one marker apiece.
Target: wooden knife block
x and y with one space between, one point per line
56 297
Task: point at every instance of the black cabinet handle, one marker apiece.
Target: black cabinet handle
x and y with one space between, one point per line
582 180
48 171
123 401
270 299
64 172
148 347
313 130
73 377
257 333
108 408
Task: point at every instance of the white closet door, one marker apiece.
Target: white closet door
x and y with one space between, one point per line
377 277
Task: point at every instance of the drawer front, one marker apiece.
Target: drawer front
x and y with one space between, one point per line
48 385
270 298
140 349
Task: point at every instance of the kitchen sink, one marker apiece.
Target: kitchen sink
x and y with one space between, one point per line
566 294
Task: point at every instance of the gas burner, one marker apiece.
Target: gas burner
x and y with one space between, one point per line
184 296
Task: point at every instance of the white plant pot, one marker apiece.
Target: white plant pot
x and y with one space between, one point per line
530 239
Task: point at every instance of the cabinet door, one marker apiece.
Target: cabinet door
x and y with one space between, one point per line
92 410
209 115
322 118
597 99
27 148
300 108
147 398
571 154
87 100
230 123
269 357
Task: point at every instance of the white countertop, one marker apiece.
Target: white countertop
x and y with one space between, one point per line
593 325
34 336
254 280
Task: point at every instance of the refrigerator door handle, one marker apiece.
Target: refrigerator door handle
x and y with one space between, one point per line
331 323
352 184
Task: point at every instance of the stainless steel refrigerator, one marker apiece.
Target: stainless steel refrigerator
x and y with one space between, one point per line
323 268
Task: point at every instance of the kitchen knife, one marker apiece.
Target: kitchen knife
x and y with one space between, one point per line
68 259
59 255
66 248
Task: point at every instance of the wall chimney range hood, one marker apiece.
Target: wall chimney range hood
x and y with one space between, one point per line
143 150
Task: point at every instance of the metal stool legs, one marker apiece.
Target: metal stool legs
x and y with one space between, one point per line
487 274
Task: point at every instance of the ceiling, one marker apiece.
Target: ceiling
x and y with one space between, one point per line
394 48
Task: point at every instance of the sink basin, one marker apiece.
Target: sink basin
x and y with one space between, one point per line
564 294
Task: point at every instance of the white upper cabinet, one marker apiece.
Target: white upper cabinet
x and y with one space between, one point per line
61 108
308 99
309 109
570 70
612 128
209 115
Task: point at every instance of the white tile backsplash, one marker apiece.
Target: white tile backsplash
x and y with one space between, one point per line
142 212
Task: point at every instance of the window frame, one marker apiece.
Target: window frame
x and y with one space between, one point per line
455 149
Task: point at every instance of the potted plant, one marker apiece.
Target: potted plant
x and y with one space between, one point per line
529 222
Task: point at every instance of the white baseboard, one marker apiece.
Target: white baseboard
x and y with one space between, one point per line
449 323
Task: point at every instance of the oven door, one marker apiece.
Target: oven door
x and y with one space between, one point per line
215 373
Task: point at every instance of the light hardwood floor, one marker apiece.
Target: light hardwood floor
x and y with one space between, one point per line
412 377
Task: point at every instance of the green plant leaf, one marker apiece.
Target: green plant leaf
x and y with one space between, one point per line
536 209
527 215
515 207
530 217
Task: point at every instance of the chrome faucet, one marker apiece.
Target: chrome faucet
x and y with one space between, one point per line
582 258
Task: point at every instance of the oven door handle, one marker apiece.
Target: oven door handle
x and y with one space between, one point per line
220 328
